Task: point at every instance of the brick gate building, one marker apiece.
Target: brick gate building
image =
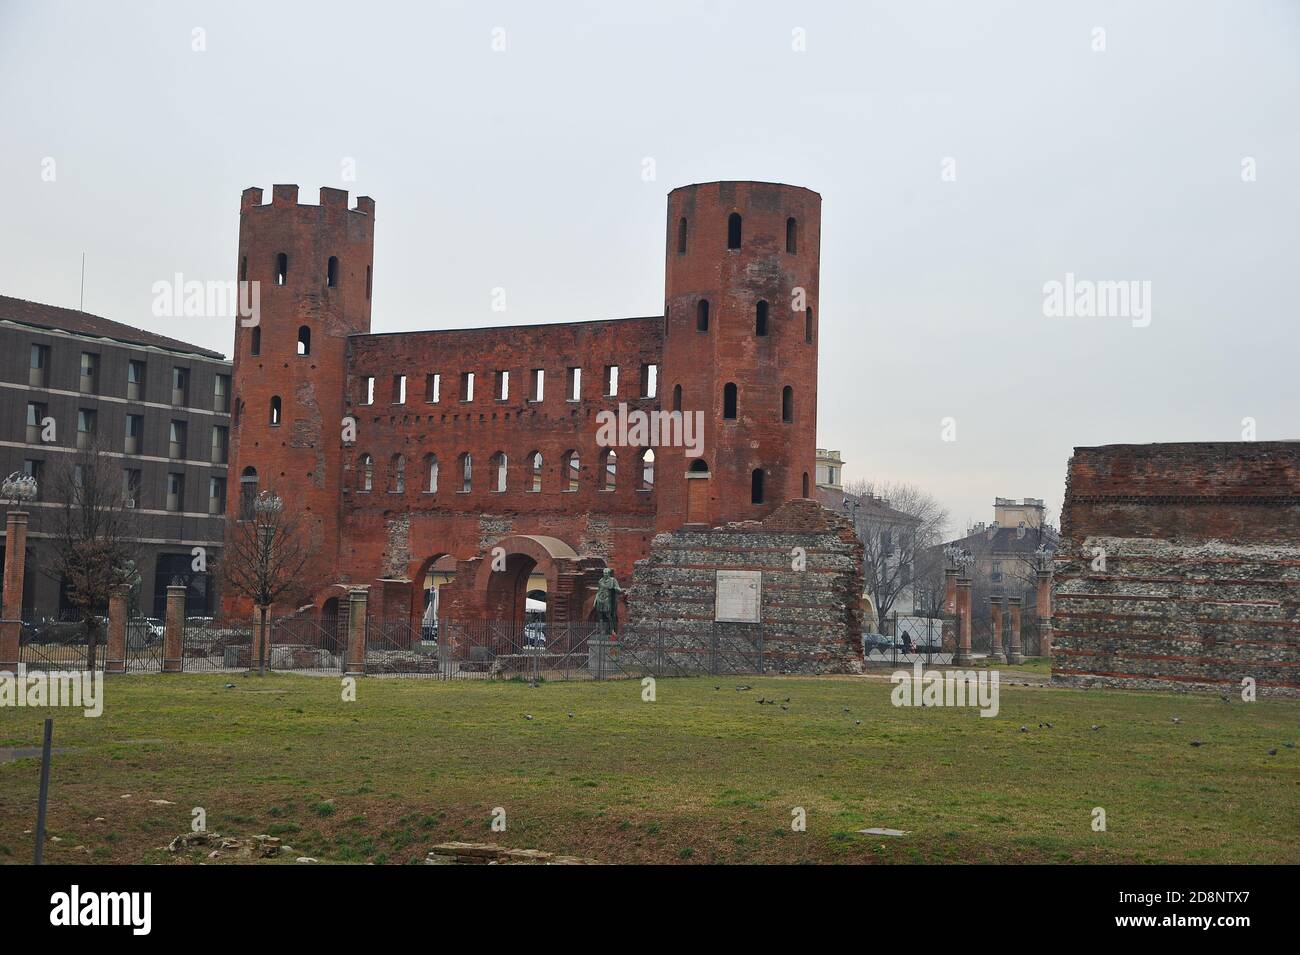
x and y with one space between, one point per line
480 450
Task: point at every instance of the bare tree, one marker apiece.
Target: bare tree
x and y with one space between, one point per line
899 524
264 556
96 534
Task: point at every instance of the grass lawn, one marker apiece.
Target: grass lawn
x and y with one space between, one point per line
700 775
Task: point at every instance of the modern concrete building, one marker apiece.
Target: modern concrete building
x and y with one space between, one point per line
159 406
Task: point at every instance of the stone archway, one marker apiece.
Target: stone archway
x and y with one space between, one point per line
502 575
438 563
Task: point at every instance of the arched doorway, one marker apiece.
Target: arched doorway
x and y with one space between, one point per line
430 576
697 492
330 625
519 565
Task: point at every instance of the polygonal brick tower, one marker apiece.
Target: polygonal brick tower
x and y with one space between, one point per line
314 269
740 314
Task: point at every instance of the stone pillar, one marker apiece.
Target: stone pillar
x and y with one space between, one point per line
1014 655
11 614
115 650
995 638
259 651
963 616
356 662
950 637
174 628
1043 610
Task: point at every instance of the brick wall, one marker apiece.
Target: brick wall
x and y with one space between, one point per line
812 617
1201 581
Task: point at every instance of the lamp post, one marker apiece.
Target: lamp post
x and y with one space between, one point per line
266 511
17 489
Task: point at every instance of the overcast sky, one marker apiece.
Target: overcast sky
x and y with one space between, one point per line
523 169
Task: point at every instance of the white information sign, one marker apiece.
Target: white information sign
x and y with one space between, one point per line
737 596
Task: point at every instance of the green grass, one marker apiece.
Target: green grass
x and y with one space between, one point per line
701 775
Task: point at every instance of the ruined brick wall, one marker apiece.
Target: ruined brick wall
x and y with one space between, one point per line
1201 581
812 618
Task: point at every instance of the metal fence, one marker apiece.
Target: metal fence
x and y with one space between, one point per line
210 645
907 640
59 641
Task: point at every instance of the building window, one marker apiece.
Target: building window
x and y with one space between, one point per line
467 386
85 427
134 434
538 388
88 383
787 404
431 472
176 440
220 444
35 418
733 231
275 411
221 393
729 400
760 318
805 483
501 386
304 340
609 470
281 268
131 486
365 474
368 390
702 315
38 375
681 236
808 326
648 469
180 386
571 468
677 397
995 572
176 492
247 493
791 235
367 283
466 473
397 477
399 389
432 385
255 341
332 272
535 464
611 381
498 469
216 495
36 470
575 384
135 372
756 486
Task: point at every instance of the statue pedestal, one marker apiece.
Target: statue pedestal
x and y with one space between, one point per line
599 651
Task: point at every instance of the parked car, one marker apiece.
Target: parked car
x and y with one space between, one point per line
879 641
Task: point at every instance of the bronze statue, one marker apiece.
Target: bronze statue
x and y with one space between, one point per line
607 592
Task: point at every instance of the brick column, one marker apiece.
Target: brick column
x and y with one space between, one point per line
356 664
1043 609
963 614
115 650
174 628
995 640
11 614
260 648
950 637
1014 655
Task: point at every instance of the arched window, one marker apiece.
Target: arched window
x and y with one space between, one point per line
255 346
247 493
699 466
729 400
681 236
760 318
275 411
609 469
805 483
497 464
397 479
791 235
365 473
733 231
808 326
787 404
648 469
677 397
431 472
367 283
756 486
304 340
281 268
571 468
332 272
466 472
535 462
702 315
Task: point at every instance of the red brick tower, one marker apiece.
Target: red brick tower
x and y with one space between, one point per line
741 345
313 265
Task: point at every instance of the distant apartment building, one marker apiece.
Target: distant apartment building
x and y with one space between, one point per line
830 470
158 406
1004 549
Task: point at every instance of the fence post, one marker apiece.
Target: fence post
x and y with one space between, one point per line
357 599
115 649
11 623
174 628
